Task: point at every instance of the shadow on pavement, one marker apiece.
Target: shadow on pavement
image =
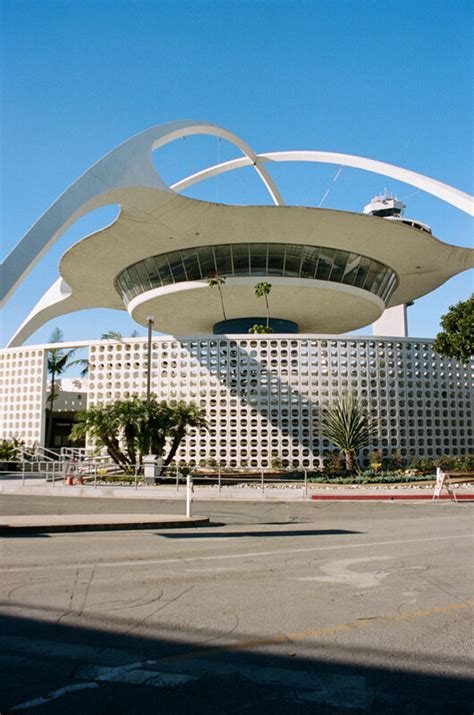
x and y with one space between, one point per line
54 668
261 534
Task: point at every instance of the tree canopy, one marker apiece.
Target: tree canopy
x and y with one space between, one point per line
457 337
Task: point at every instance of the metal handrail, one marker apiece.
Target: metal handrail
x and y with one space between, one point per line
45 451
91 469
37 454
76 452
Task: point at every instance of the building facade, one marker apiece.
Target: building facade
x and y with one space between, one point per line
263 394
331 273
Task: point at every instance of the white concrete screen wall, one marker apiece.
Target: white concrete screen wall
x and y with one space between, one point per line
23 394
263 395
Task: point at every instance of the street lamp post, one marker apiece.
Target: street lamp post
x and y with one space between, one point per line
150 322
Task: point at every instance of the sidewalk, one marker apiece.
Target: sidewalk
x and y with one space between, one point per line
244 492
15 525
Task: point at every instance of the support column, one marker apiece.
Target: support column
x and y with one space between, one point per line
392 323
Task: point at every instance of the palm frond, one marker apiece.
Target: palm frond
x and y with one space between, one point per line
83 363
111 335
56 336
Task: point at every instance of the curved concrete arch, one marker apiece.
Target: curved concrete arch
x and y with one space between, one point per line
449 194
251 158
129 164
57 300
211 171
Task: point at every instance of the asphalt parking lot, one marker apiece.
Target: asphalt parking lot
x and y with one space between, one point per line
276 608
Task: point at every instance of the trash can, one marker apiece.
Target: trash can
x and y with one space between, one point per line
152 464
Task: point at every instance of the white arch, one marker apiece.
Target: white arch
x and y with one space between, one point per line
446 193
57 300
129 164
251 158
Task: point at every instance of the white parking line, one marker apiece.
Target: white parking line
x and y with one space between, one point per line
222 557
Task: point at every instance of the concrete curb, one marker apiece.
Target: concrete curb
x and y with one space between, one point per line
13 525
460 496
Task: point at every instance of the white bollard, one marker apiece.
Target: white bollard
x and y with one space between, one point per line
189 495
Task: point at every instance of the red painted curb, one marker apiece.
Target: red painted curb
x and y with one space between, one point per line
385 497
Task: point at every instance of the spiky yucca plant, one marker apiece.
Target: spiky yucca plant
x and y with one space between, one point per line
348 426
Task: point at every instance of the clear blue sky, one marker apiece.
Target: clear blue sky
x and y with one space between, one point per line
392 81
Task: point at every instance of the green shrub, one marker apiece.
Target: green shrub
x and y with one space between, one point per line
395 461
370 476
9 449
376 460
276 462
333 465
446 462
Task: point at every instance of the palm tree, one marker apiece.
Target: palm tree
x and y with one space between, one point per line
127 428
58 361
101 424
263 289
348 426
154 425
144 425
215 279
135 427
111 335
185 415
117 335
128 413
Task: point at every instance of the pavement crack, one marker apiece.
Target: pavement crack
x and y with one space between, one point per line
73 590
86 593
433 583
140 622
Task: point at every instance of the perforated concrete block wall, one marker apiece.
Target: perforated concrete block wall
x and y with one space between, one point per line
264 395
23 394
